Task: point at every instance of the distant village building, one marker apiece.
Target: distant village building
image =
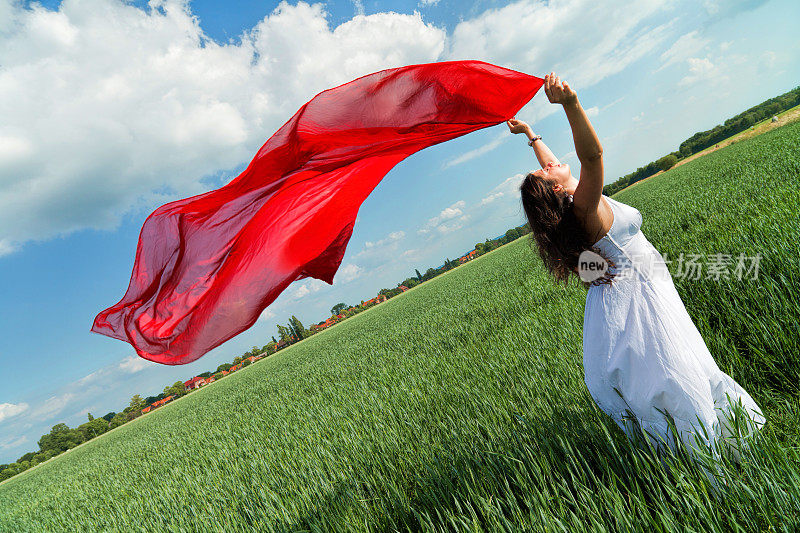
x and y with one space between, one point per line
281 344
331 321
403 288
465 258
194 383
159 403
378 299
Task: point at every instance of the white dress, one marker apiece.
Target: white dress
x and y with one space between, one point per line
639 339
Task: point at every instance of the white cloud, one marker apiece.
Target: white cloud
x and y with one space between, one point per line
767 60
725 8
507 189
359 5
103 104
437 223
52 406
266 314
426 3
491 198
7 410
307 287
6 247
592 111
687 45
12 442
570 156
394 236
134 363
472 154
375 256
700 69
603 38
93 376
348 273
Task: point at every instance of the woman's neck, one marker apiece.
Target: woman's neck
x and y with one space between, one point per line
571 185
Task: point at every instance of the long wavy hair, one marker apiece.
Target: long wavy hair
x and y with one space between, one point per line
556 231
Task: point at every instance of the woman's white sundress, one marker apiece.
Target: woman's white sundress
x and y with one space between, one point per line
639 339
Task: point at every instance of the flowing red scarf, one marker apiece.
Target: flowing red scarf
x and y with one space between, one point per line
207 266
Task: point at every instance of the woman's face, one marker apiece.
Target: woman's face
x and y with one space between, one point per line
557 174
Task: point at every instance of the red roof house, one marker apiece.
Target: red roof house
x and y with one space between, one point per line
194 383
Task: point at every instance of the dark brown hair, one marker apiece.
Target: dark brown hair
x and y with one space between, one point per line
555 229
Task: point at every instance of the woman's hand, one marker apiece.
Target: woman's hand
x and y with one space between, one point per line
558 92
517 126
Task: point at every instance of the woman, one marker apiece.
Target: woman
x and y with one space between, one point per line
644 360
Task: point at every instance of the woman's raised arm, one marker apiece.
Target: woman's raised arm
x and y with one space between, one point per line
587 145
543 153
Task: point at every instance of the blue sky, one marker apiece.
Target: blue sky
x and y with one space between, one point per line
109 109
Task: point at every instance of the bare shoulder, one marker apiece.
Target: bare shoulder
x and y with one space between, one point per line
596 221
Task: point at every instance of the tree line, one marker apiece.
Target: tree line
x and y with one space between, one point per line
705 139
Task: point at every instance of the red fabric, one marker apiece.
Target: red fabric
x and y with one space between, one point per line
207 266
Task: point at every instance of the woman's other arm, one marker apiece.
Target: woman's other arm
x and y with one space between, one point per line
587 145
543 153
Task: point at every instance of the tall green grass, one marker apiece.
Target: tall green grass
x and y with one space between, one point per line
460 405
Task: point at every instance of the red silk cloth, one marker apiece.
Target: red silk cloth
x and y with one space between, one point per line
207 266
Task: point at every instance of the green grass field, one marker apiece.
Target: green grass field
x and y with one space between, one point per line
460 405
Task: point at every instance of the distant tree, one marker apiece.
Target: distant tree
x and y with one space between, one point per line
667 162
284 333
204 375
297 328
27 457
137 403
237 360
218 375
130 413
60 438
89 415
410 282
429 274
512 235
177 389
224 367
108 416
246 362
338 308
92 429
118 420
419 276
391 293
